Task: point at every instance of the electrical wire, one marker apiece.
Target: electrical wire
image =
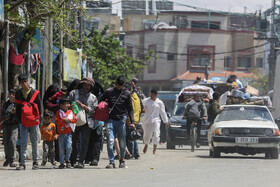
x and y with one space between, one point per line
185 54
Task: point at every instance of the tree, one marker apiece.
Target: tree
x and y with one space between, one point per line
260 82
31 14
109 59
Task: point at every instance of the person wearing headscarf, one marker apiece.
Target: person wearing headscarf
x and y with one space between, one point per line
87 102
51 106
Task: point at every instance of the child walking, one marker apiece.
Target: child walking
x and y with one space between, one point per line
65 120
48 134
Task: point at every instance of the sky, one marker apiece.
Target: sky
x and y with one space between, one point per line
222 5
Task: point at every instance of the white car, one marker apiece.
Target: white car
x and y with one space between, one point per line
244 129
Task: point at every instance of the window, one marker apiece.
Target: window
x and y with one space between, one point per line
152 68
170 57
205 25
200 60
244 62
198 56
259 62
227 62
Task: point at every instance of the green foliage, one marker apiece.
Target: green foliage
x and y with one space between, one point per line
109 59
31 14
260 82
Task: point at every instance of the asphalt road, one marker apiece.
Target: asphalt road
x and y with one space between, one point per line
173 168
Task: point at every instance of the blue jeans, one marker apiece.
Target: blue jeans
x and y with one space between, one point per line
33 131
116 129
65 147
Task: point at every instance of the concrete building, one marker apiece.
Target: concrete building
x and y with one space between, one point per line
186 43
143 7
99 14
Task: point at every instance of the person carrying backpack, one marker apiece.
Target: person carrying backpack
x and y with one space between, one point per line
28 114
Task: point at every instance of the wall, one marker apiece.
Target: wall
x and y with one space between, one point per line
135 22
276 90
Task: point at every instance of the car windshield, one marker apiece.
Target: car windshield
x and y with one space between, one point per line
244 113
179 109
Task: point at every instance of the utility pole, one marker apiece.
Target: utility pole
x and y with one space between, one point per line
272 55
147 7
81 28
206 71
6 61
48 52
28 62
61 60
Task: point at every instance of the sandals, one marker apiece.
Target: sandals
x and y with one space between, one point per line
111 166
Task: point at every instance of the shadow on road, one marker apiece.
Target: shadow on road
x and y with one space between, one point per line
231 157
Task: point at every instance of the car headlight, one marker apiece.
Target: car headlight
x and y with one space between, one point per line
218 131
268 132
225 132
175 125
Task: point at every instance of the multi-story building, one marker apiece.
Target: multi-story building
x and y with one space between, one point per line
99 14
144 7
184 42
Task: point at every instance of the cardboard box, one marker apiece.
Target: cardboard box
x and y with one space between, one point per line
251 90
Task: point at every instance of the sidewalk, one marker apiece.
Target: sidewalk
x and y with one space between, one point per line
28 152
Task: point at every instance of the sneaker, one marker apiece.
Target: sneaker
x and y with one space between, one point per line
13 165
110 166
80 165
6 163
122 165
21 167
54 163
61 166
74 165
137 157
128 157
68 164
35 166
197 145
43 163
94 163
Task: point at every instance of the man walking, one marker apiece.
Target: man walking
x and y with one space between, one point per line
119 100
154 112
138 109
27 95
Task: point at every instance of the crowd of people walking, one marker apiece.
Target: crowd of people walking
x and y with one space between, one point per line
70 131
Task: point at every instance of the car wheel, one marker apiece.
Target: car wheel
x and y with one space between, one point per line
210 153
170 145
274 153
267 154
216 152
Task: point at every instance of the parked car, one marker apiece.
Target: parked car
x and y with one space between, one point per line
244 129
176 133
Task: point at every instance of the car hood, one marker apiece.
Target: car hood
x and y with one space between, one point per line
178 120
245 124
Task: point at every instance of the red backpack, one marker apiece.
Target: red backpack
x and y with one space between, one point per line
102 111
30 115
